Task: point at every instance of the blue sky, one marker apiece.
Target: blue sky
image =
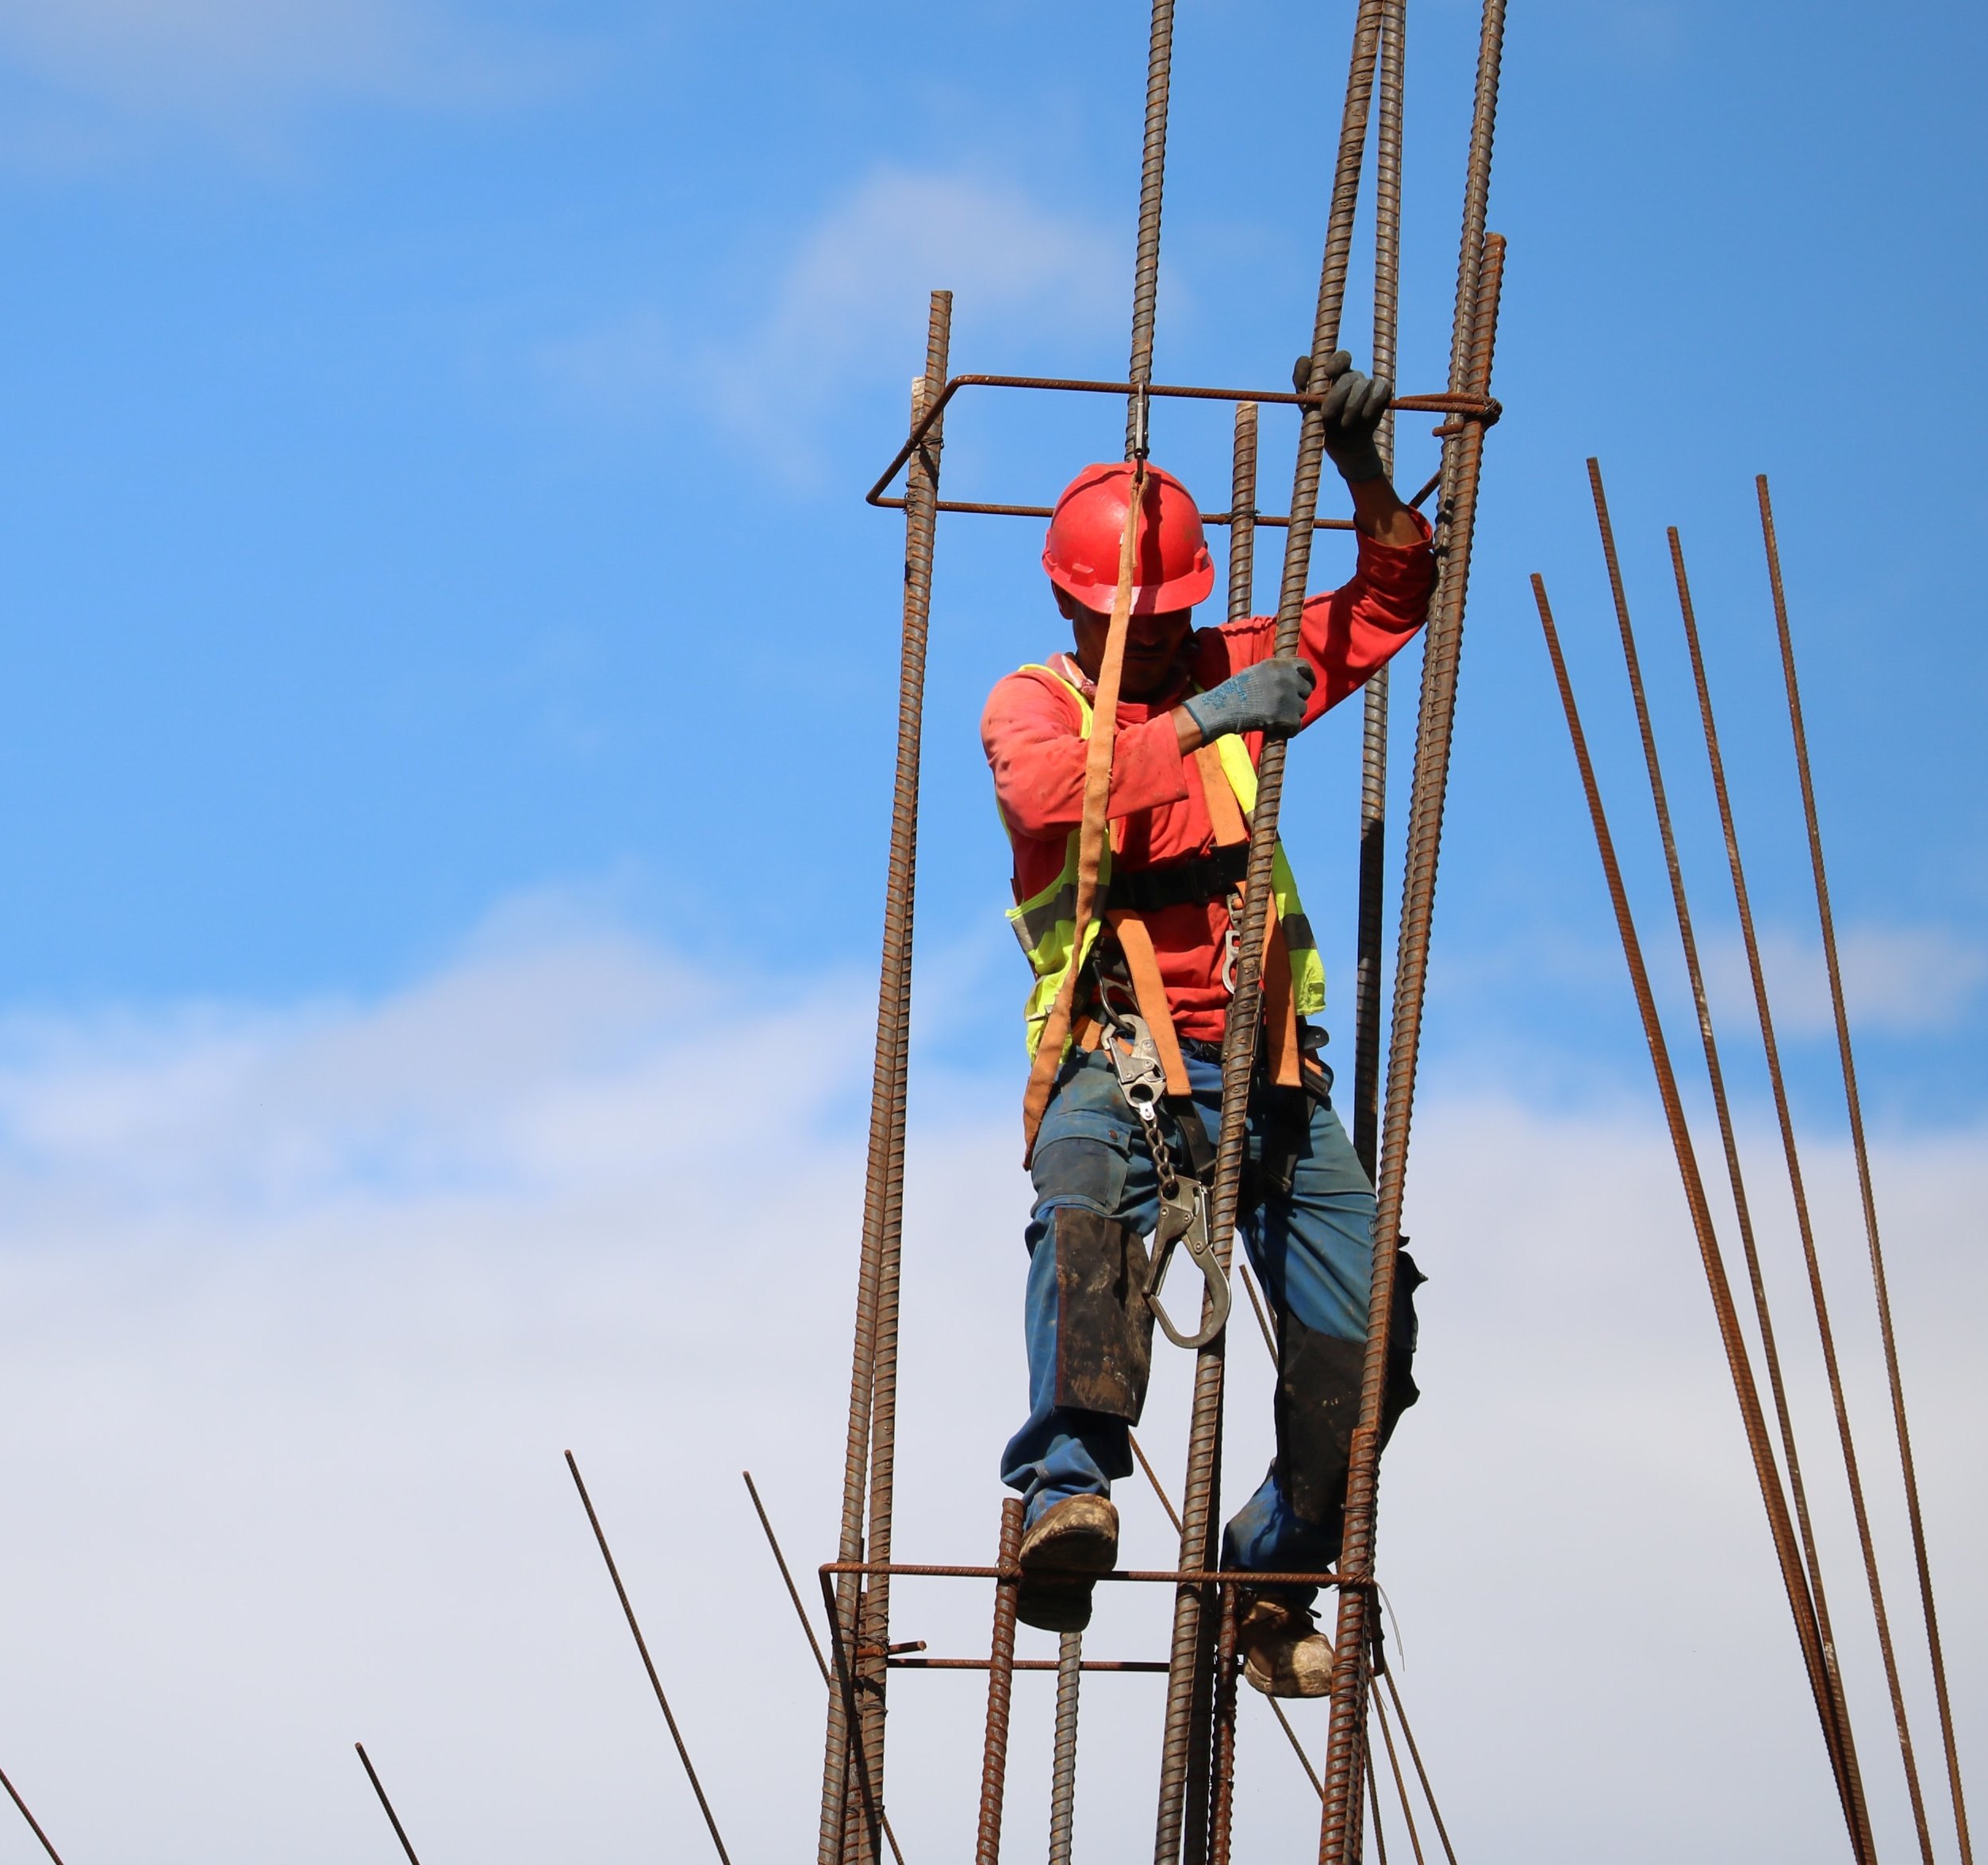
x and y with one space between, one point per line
445 738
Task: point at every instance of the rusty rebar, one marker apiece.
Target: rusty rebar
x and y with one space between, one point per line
1243 514
372 1775
1221 1794
1422 1773
1069 1678
1842 1749
648 1663
1907 1468
1401 1785
868 1464
986 1849
1146 264
1239 1038
1850 1775
1738 1361
1369 952
1373 1800
1441 649
34 1825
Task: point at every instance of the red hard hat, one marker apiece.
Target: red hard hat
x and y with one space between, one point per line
1173 570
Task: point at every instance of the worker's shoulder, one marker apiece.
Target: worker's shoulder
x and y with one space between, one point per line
1036 688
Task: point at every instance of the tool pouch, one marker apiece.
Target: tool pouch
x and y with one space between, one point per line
1104 1327
1318 1402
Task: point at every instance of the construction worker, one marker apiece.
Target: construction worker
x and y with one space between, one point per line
1195 709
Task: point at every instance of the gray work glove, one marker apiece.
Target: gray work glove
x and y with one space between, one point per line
1354 404
1269 698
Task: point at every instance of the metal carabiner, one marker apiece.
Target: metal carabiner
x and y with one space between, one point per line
1135 1059
1183 1219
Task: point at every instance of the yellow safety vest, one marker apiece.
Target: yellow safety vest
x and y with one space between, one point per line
1046 924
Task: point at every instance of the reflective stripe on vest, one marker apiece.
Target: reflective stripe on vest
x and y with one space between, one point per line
1046 923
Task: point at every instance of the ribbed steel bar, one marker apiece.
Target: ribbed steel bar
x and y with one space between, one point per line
1069 1680
1000 1690
1907 1468
869 1461
1766 1472
1422 1773
648 1663
1401 1785
34 1825
1223 1792
1239 1042
1441 649
372 1775
1146 264
1369 961
1243 514
1373 1803
1850 1781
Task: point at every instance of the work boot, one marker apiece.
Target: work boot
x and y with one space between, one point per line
1285 1654
1079 1534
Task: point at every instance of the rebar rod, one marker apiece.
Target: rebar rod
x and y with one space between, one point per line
1069 1680
1146 264
1239 1039
1370 955
648 1663
1373 1800
1243 514
869 1450
372 1775
34 1825
1738 1361
1401 1785
1842 1749
1852 1102
1422 1773
807 1624
1222 1789
1851 1773
1000 1690
1442 646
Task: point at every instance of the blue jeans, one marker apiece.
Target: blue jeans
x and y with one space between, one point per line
1312 1250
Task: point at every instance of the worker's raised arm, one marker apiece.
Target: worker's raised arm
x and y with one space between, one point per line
1032 736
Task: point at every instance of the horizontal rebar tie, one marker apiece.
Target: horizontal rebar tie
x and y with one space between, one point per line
1178 1577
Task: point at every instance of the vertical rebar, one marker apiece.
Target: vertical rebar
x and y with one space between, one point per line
1146 264
1837 1730
1738 1362
1849 1776
873 1375
1389 84
1243 514
1422 1773
34 1825
1239 1038
1401 1785
1853 1104
1441 649
1221 1800
1001 1686
1070 1679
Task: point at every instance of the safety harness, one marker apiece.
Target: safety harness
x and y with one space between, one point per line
1122 1003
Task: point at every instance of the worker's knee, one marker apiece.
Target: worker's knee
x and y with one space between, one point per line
1104 1325
1087 1170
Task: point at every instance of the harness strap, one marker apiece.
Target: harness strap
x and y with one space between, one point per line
1136 943
1225 814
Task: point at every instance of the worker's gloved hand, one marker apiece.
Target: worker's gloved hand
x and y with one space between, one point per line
1354 404
1269 698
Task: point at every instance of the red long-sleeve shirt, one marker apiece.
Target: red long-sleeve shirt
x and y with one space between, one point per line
1031 730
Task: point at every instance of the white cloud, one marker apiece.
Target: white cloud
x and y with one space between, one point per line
851 301
1904 980
237 65
298 1307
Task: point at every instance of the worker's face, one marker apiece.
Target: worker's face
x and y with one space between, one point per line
1152 644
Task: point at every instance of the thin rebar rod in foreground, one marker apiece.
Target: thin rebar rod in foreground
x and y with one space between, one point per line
372 1775
1370 953
807 1624
1239 1036
1798 1189
1907 1468
1401 1785
1000 1690
1422 1773
1738 1362
1842 1756
648 1663
869 1448
34 1825
1146 264
1373 1800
